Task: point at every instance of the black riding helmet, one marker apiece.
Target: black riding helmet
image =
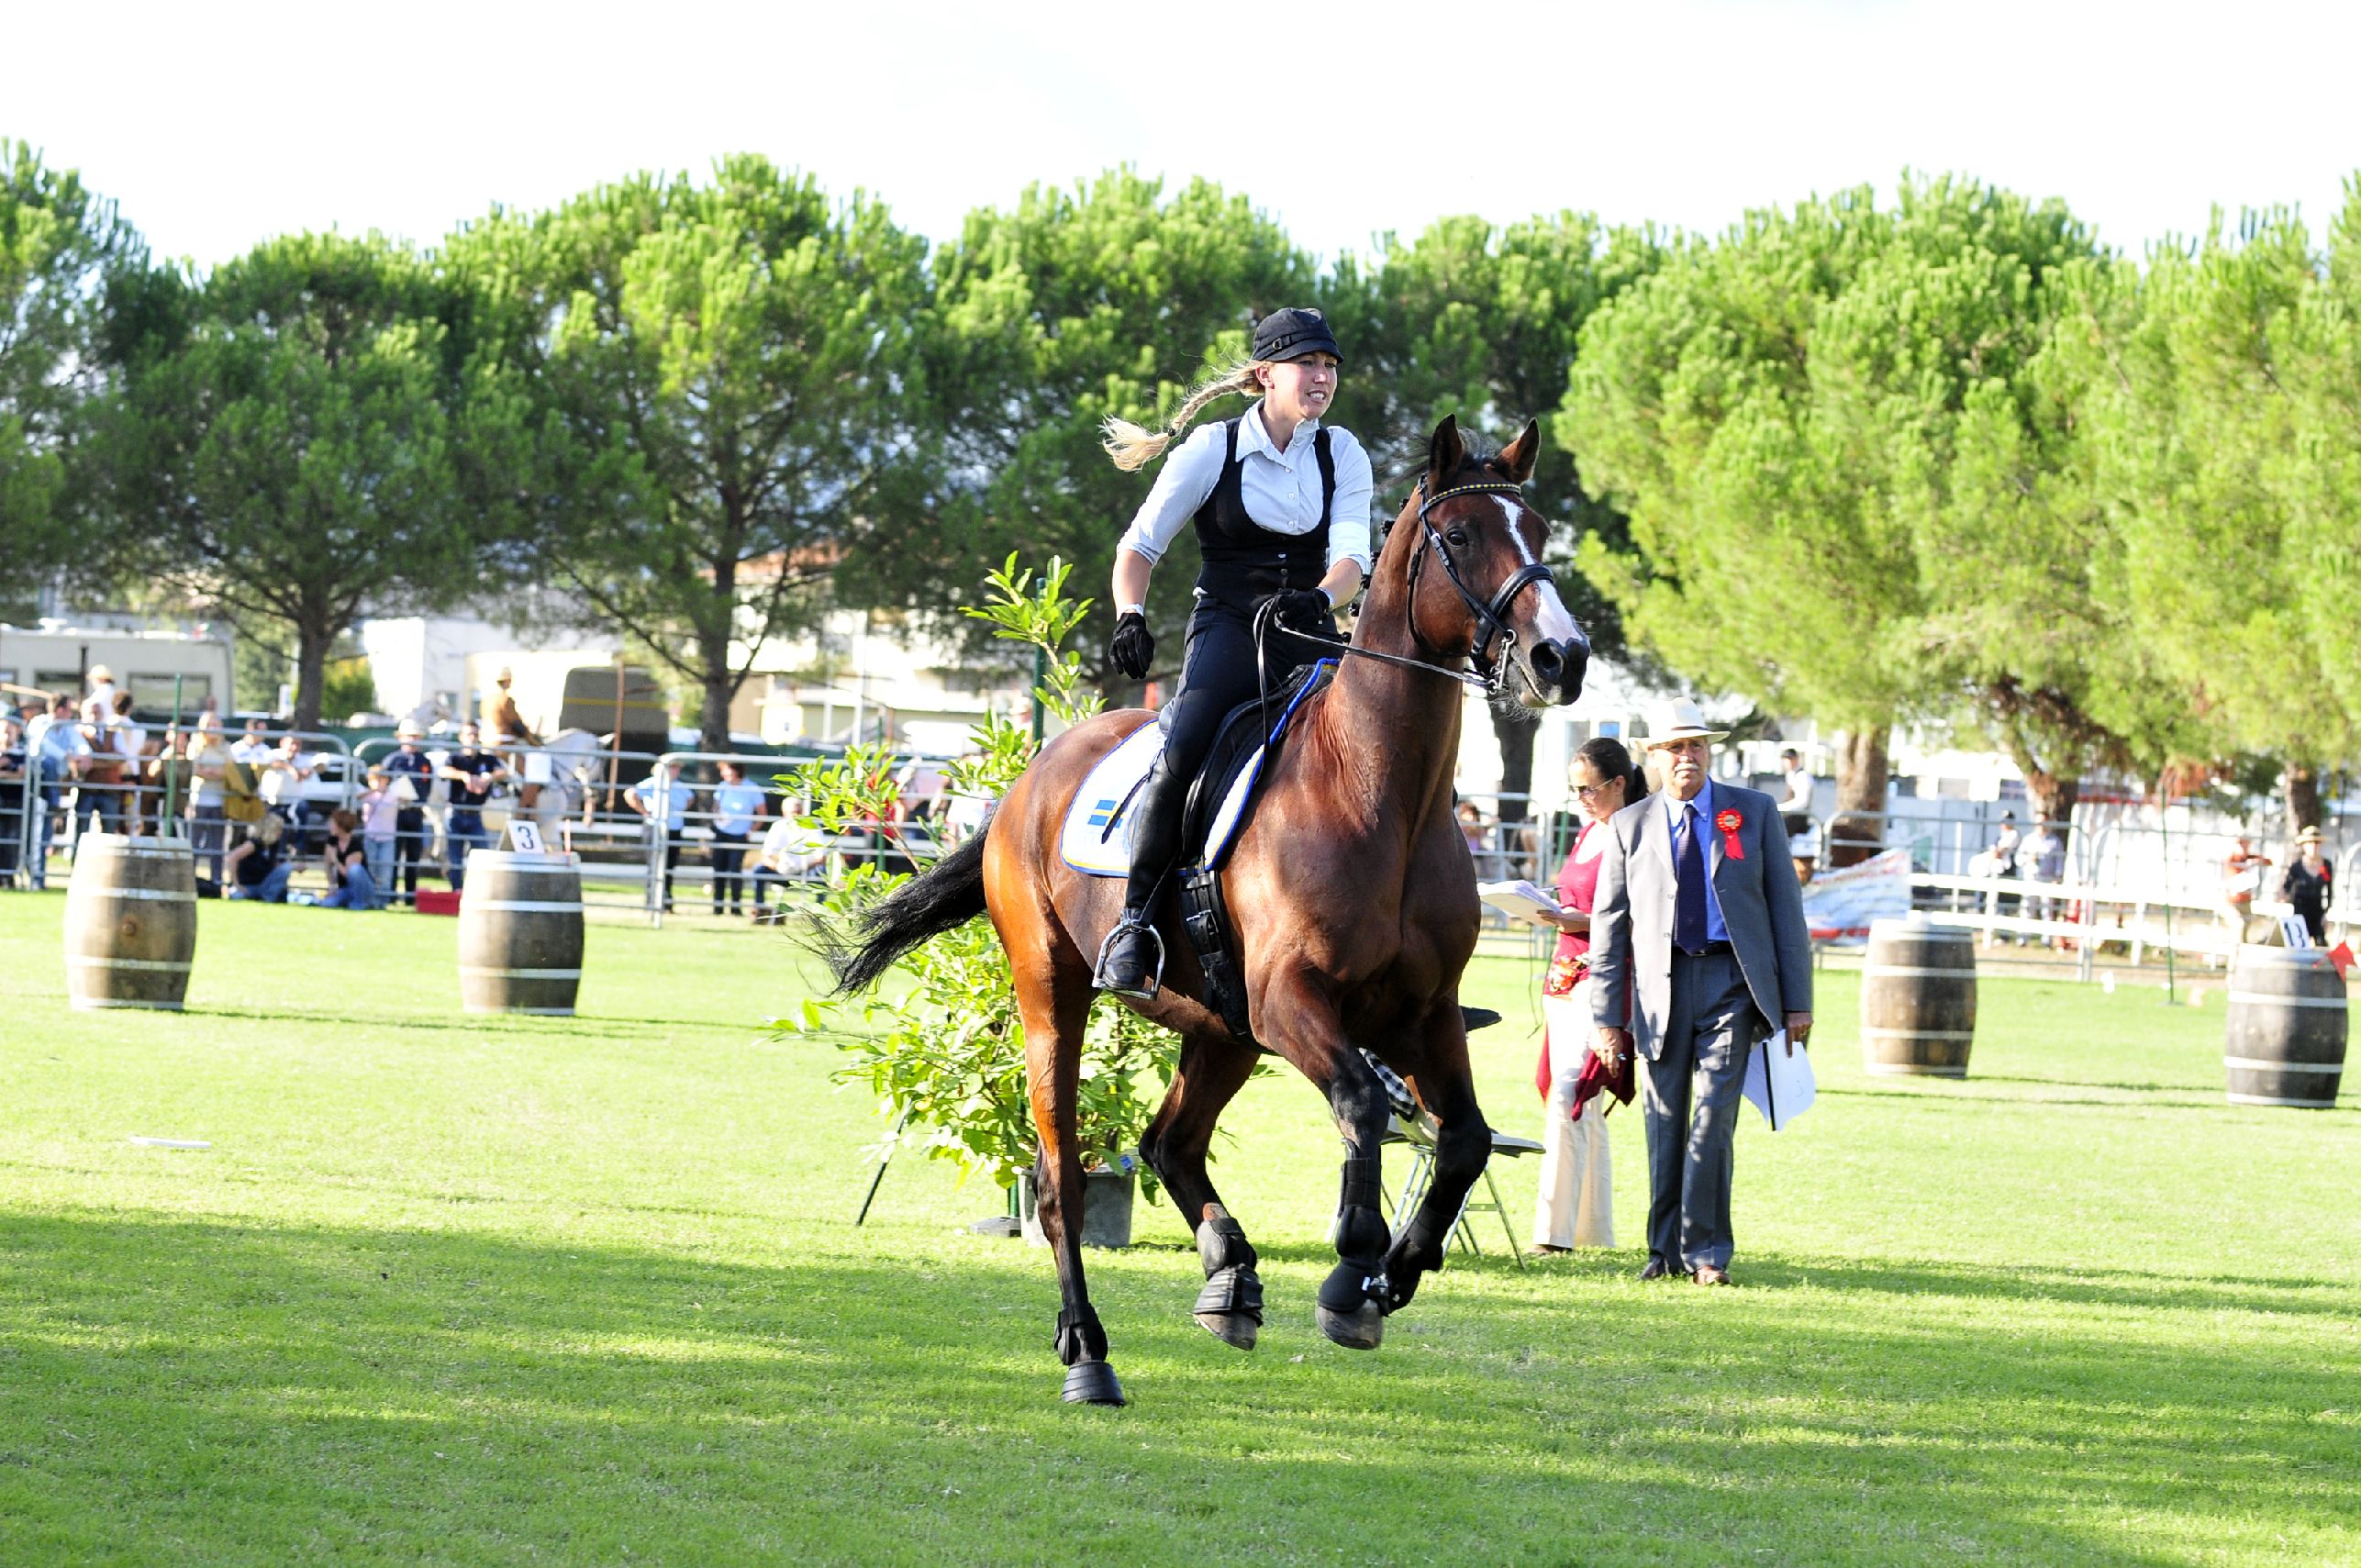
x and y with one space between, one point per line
1294 334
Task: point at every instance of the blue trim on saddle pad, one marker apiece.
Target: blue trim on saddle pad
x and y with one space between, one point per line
1095 838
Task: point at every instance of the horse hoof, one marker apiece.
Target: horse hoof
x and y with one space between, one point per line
1232 1328
1092 1382
1363 1328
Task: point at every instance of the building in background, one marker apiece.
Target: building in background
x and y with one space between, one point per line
423 663
868 675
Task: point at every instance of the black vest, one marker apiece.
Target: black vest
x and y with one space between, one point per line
1246 562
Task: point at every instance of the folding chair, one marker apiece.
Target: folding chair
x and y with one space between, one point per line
1415 1133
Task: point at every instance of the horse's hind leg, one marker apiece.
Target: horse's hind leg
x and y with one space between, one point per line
1211 1070
1054 996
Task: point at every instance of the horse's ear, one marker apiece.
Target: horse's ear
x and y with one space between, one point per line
1517 459
1445 453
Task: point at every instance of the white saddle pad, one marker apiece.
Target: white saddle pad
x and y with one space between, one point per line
1096 837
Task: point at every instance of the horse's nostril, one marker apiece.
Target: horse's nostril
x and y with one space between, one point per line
1545 663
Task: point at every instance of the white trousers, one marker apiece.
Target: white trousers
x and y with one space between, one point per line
1577 1197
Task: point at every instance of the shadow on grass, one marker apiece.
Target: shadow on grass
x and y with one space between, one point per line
2093 1286
2082 1285
217 1392
525 1024
1933 1091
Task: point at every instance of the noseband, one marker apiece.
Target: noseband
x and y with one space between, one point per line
1492 618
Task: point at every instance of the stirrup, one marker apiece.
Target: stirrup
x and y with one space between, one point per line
1155 978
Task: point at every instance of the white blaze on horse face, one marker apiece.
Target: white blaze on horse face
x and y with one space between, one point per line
1551 621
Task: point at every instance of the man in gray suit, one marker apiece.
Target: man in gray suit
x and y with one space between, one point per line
1698 939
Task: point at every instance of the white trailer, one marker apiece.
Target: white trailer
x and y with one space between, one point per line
155 667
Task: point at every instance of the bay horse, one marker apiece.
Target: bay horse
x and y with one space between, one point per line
1352 899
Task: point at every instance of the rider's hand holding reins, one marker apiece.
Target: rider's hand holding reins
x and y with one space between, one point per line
1133 647
1306 609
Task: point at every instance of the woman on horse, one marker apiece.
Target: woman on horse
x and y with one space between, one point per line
1281 507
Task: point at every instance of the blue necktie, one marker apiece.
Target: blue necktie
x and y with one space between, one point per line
1688 870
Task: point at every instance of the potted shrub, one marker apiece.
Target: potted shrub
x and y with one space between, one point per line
946 1057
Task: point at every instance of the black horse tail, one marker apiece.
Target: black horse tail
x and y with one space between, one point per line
947 895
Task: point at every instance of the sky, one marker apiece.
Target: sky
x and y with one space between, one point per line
215 126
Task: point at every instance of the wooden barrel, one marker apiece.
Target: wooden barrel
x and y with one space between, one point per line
2286 1041
130 922
520 933
1918 998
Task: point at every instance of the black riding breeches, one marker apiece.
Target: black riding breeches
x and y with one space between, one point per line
1217 676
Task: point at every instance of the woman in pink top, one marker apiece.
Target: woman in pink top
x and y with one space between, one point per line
1577 1206
380 812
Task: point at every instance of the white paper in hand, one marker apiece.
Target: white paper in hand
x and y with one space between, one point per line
1780 1085
1518 899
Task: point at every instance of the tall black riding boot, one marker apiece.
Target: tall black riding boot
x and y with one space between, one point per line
1131 963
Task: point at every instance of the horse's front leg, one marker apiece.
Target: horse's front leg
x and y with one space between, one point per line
1300 1015
1462 1145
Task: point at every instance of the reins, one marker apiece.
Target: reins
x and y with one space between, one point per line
1491 619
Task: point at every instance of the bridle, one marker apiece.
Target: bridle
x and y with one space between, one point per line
1491 619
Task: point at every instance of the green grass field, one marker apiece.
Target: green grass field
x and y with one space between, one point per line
587 1291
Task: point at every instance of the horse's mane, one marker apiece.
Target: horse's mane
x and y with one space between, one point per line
1480 454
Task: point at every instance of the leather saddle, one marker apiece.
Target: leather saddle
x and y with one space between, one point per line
1210 819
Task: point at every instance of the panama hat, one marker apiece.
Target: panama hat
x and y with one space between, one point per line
1679 720
409 727
2310 835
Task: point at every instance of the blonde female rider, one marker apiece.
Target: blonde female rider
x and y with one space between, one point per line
1281 509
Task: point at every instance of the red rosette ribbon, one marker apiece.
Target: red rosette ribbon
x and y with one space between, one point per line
1730 822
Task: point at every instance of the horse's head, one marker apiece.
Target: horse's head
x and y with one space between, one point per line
1490 598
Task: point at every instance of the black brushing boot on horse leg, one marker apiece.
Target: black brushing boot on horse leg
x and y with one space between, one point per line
1230 1305
1211 1070
1460 1157
1356 1295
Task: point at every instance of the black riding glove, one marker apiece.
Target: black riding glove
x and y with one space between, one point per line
1306 609
1133 647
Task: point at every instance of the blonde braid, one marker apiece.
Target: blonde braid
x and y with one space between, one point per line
1134 448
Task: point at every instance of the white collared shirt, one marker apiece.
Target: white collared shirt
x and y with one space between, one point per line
1715 929
1281 489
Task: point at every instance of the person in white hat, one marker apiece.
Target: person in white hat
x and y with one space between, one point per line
1697 937
98 708
2307 884
506 722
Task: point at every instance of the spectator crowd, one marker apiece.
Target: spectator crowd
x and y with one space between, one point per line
274 819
